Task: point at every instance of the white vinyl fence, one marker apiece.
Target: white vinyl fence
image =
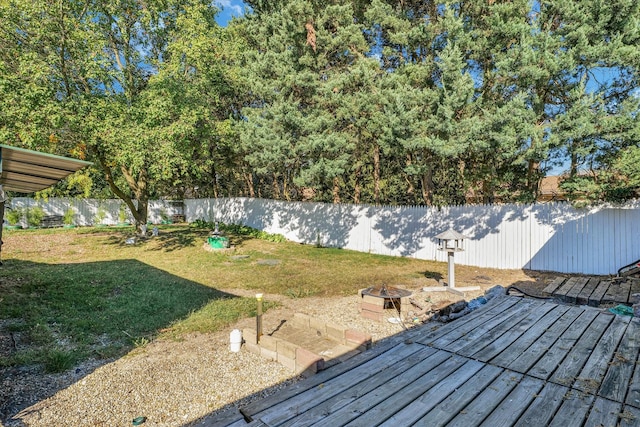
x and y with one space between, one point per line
550 237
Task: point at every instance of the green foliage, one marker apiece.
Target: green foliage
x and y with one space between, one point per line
69 216
14 215
240 230
35 216
368 102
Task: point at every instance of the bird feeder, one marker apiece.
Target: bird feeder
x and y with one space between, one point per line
451 242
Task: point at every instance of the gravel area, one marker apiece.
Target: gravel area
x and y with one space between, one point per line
170 383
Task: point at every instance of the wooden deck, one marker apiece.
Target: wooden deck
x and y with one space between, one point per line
594 291
514 362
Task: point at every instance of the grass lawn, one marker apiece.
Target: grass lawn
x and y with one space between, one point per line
67 295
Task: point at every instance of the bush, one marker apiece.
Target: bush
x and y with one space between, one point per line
69 216
14 216
35 216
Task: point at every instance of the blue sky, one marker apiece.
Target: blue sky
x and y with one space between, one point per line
229 9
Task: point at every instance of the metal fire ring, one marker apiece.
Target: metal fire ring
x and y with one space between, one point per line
385 291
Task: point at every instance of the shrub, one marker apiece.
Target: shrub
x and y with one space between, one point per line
69 216
35 216
14 216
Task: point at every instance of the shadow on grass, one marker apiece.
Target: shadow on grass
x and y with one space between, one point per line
78 317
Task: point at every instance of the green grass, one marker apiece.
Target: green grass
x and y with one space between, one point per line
72 294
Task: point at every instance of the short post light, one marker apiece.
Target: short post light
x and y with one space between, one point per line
259 318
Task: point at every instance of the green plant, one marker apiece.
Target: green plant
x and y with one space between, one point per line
122 214
58 360
101 214
69 216
14 215
35 216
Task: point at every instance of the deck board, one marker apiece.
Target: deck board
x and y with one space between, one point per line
568 370
545 405
554 285
455 402
515 362
617 379
585 293
604 413
554 355
573 293
526 341
598 293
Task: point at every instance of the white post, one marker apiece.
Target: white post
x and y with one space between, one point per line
452 278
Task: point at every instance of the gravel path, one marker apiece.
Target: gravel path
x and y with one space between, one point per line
170 383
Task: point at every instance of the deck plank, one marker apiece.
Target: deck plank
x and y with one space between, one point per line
596 296
526 341
585 293
478 332
618 292
571 366
455 402
545 405
555 284
426 399
573 293
554 355
486 401
630 417
370 356
402 358
604 413
635 288
601 356
525 360
565 288
465 325
616 381
633 393
503 336
381 406
429 372
573 411
510 409
418 363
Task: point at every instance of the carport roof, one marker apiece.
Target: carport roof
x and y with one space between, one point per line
26 171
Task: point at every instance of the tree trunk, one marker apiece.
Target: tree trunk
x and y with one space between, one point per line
336 190
376 174
249 180
427 187
357 186
138 187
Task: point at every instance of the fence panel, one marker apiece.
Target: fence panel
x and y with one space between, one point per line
552 236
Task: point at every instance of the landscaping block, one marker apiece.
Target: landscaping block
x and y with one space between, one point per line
269 343
250 336
268 354
360 339
335 332
318 325
287 362
308 363
286 349
378 317
300 320
372 307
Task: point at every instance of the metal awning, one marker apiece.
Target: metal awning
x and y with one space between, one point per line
26 171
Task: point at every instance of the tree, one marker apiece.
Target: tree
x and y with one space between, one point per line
130 84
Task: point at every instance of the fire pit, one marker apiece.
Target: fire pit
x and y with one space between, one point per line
377 299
